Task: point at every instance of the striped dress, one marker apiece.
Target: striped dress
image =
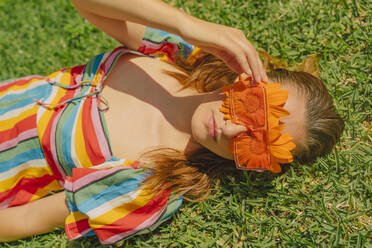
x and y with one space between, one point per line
53 137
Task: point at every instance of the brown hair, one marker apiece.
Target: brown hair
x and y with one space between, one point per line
191 176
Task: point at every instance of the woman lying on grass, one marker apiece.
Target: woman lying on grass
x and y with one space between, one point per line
196 109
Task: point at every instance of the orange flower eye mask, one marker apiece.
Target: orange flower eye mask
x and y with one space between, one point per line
258 107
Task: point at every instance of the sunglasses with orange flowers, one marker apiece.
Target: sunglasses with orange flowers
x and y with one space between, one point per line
258 107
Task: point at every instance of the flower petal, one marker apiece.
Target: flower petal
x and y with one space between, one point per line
280 152
278 97
278 111
275 132
275 167
289 146
272 87
283 139
282 161
273 121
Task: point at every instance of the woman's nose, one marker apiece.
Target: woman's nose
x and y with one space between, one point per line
231 130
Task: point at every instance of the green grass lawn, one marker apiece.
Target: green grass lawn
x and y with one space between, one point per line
327 204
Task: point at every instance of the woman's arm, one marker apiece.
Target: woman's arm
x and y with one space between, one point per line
153 13
40 216
116 18
127 33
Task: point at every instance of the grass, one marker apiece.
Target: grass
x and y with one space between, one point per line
327 204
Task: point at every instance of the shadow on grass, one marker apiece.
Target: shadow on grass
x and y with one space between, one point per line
249 184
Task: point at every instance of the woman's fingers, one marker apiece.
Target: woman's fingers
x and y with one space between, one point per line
247 56
255 68
241 61
258 71
236 60
229 44
262 69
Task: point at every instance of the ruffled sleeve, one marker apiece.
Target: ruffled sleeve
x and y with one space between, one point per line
111 202
168 47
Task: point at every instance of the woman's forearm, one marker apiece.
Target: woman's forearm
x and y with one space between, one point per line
152 13
40 216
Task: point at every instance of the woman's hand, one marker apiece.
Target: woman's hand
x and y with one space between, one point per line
229 44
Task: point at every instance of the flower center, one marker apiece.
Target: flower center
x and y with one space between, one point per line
256 146
252 103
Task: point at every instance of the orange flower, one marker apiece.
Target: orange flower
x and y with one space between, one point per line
245 106
251 151
258 107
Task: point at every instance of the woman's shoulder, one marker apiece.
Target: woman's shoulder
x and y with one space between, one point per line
134 71
156 45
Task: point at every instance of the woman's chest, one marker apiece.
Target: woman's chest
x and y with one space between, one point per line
141 108
132 124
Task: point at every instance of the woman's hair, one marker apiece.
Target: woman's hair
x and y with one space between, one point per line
191 176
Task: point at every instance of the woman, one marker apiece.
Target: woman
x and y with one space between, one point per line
56 123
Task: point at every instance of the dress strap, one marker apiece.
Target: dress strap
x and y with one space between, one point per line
95 72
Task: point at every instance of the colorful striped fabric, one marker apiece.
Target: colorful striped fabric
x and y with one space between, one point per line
168 47
112 204
71 124
24 173
53 135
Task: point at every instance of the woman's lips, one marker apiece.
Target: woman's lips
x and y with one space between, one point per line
212 127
